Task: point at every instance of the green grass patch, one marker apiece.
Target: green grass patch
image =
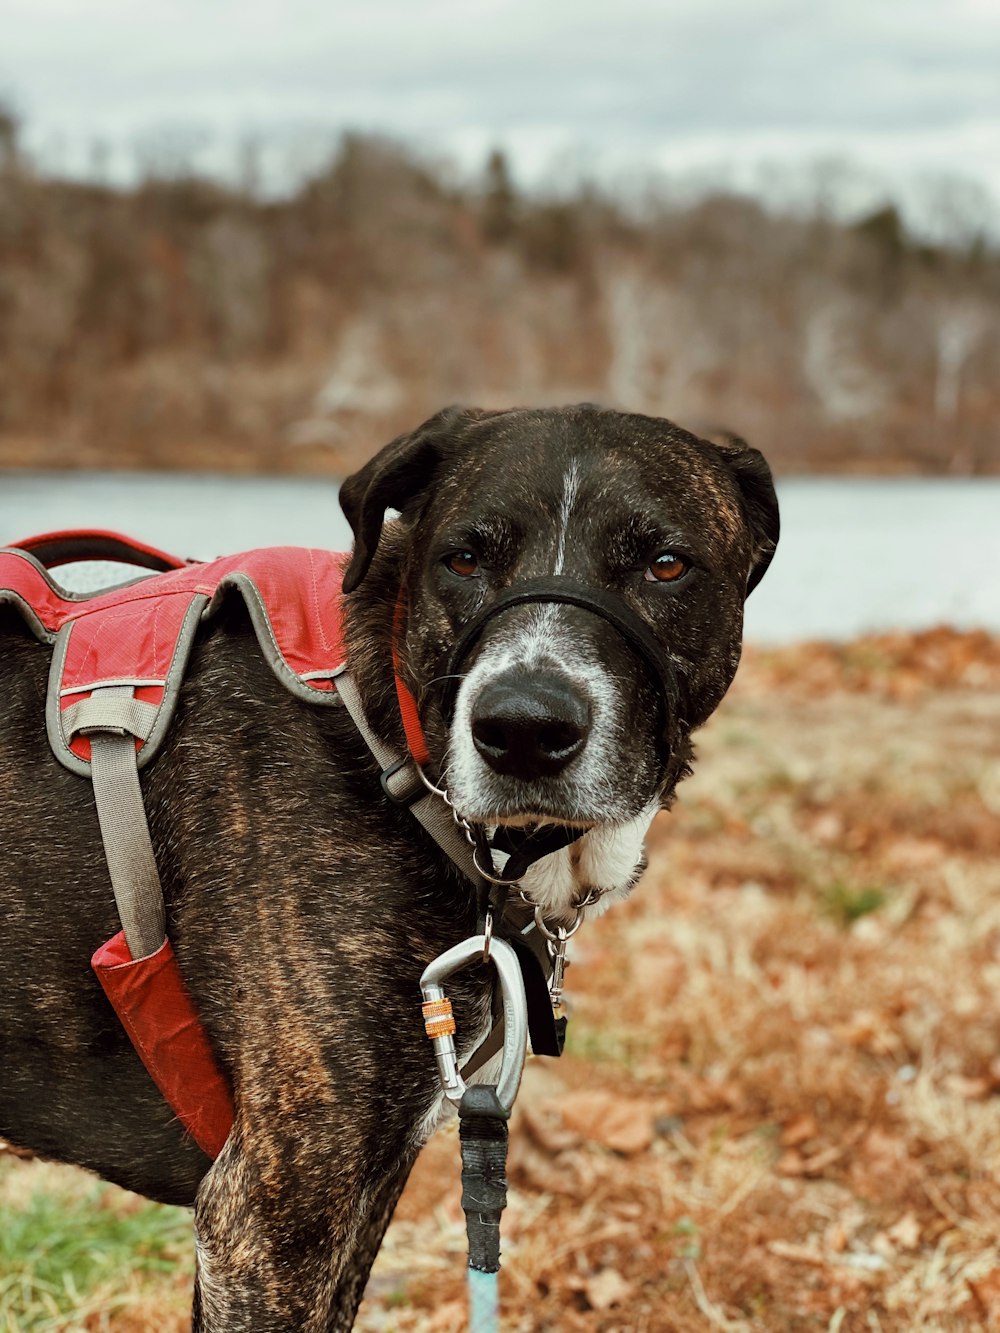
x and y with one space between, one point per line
687 1239
605 1045
847 903
62 1256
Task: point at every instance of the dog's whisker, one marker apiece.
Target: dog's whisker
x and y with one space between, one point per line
438 680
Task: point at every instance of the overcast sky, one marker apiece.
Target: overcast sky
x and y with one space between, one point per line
908 89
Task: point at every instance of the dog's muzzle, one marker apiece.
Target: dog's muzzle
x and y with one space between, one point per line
505 725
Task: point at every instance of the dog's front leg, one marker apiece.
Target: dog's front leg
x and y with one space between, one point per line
287 1244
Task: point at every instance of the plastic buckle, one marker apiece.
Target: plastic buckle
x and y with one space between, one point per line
408 797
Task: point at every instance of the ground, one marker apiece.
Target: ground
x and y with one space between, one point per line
778 1110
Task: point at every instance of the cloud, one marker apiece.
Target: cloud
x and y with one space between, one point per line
911 81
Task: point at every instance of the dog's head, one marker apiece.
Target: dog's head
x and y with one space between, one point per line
558 711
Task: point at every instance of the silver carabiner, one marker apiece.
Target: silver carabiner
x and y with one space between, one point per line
440 1024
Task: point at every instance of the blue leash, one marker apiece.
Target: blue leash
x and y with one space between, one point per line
484 1302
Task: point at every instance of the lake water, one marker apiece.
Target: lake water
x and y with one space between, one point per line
855 555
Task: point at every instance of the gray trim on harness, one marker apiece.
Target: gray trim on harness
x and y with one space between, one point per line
201 609
9 597
261 622
65 593
111 718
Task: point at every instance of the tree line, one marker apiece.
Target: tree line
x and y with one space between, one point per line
186 322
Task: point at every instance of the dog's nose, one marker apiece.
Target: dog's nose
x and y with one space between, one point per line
529 728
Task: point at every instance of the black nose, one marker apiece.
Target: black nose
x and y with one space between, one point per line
529 726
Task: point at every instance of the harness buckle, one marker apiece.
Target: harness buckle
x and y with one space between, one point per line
403 796
440 1024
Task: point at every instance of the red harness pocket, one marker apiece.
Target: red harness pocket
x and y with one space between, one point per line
155 1010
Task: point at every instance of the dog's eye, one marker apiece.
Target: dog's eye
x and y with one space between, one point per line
668 567
463 563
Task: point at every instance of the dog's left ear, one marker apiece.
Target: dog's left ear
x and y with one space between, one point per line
397 476
753 476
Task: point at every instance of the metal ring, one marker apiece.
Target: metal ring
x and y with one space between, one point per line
589 899
561 932
435 791
515 1015
504 883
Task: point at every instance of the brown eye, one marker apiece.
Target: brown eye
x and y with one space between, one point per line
667 568
462 563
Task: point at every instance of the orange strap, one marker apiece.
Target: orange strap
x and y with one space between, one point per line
415 739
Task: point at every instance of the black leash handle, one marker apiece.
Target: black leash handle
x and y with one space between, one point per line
482 1133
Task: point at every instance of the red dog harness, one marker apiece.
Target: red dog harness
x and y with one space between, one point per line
119 657
118 660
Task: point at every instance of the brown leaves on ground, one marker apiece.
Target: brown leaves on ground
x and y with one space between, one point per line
778 1107
899 666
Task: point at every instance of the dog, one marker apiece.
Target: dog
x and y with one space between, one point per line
303 905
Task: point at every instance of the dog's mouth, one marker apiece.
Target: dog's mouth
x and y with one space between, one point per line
534 813
534 822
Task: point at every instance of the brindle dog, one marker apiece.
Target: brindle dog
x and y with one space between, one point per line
303 906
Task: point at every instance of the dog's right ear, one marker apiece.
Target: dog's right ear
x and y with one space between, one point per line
397 476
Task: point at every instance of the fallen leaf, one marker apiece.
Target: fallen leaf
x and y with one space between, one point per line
986 1293
836 1238
790 1163
969 1089
906 1232
800 1130
615 1122
547 1127
800 1254
448 1317
605 1289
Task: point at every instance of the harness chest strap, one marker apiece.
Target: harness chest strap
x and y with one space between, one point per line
402 784
111 718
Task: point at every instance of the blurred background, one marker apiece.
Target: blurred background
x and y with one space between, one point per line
243 245
261 240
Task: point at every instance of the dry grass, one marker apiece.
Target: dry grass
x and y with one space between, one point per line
778 1109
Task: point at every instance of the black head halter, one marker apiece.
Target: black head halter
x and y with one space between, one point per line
557 588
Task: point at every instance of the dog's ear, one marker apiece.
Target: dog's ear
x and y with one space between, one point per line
753 476
397 476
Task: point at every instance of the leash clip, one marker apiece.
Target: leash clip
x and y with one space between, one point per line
558 942
439 1021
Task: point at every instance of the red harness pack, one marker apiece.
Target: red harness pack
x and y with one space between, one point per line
136 639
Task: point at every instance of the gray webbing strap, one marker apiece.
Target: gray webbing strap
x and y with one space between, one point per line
110 718
106 710
430 810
